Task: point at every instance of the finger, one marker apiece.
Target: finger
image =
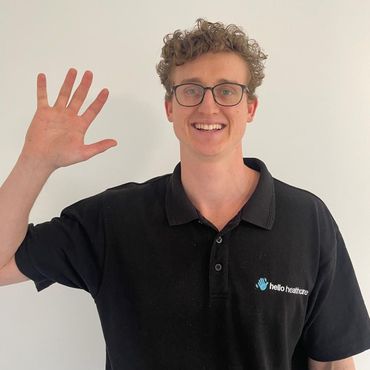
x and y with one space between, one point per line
95 107
101 146
42 96
80 94
66 89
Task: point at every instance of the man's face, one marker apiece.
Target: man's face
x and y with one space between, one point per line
208 70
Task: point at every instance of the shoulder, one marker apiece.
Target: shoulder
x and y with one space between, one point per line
304 210
300 199
149 188
140 186
131 194
135 198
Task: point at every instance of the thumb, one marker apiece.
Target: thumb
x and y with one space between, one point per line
99 147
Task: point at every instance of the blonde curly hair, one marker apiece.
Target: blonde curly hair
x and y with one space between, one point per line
183 46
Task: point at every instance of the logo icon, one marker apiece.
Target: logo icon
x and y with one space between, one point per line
262 284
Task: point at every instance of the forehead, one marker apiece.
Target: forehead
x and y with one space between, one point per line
211 68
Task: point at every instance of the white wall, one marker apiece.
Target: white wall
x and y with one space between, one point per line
311 129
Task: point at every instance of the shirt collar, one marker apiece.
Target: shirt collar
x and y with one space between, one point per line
259 210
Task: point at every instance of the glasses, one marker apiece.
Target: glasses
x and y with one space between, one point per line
225 94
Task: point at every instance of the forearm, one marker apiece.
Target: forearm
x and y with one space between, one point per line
54 139
346 364
17 196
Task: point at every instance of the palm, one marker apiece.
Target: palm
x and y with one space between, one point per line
56 134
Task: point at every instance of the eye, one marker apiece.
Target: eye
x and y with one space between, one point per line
191 91
227 92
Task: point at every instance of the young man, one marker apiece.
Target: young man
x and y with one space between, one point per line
216 266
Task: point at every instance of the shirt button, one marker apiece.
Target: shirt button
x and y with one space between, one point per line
218 267
219 240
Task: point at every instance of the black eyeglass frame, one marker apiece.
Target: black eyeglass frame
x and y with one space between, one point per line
205 88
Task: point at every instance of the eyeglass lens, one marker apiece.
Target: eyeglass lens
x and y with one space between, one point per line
224 94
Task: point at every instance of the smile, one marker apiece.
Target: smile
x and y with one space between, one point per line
208 127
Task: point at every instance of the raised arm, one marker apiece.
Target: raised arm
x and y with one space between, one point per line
54 139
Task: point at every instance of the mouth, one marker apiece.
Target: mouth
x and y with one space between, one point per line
208 127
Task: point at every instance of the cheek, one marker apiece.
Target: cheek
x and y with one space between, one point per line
239 115
181 114
180 130
244 114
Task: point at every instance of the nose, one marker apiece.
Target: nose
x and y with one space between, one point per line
208 105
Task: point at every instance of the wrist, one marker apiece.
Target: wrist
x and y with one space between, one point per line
34 165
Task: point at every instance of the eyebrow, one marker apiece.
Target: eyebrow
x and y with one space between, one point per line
198 80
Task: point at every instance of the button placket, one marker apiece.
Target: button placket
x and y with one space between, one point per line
218 268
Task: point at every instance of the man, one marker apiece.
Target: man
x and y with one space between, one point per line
216 266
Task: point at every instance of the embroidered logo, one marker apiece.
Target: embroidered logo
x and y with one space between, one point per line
263 285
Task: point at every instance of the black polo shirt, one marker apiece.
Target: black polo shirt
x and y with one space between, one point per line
272 288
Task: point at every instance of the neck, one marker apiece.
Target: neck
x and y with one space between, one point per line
218 188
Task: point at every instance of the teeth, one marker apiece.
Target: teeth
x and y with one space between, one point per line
203 126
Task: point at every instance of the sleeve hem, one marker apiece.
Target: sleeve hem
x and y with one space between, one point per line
28 270
341 355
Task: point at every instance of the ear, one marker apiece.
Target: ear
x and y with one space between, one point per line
169 109
252 107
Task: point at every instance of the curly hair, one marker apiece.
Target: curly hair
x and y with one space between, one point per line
183 46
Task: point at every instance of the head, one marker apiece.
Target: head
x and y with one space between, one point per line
209 55
183 46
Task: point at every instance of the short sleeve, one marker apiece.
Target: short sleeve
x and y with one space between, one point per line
338 324
68 249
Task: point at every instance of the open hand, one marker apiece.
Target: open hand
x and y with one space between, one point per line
56 134
262 284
